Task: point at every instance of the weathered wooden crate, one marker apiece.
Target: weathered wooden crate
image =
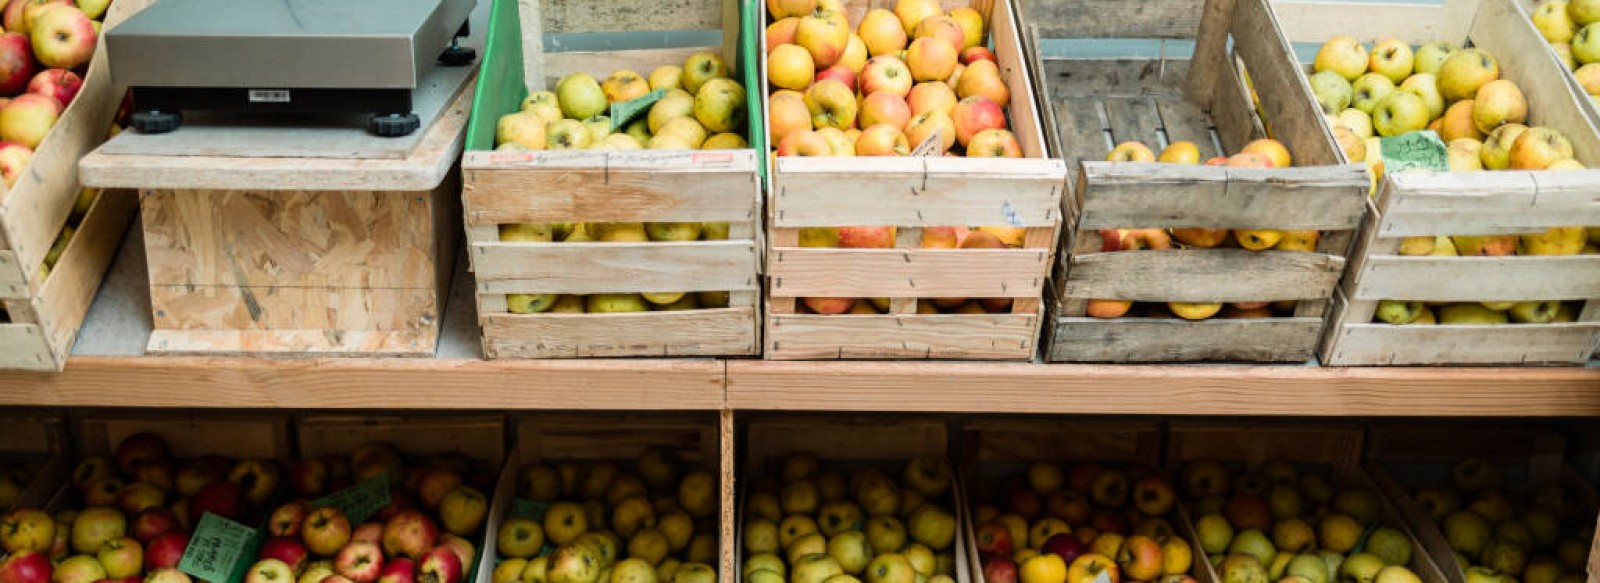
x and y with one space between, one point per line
190 435
39 443
44 308
911 194
846 443
1334 449
597 186
1096 102
1406 456
1478 203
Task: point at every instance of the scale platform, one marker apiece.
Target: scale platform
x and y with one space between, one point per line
285 56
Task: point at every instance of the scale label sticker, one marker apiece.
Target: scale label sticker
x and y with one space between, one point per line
269 96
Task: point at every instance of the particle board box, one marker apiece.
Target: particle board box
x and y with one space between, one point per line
45 308
1335 451
1404 457
1455 203
599 186
911 194
38 443
848 443
1095 102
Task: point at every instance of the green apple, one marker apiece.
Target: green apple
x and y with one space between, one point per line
614 303
1243 569
1332 91
886 534
1470 314
1253 543
1399 113
1534 313
1398 312
1396 574
720 105
890 568
1316 488
763 576
675 104
701 68
1496 151
1466 531
1214 533
1357 121
1293 535
851 550
1338 532
639 130
1553 21
932 526
815 569
1368 90
1360 568
1430 57
1426 86
1437 502
580 96
530 303
1391 58
1279 566
1475 474
1391 545
1505 557
1586 44
1343 55
1333 561
1476 574
1311 567
1497 103
1544 526
599 128
1464 155
1564 52
567 134
573 564
1464 71
1285 502
1584 12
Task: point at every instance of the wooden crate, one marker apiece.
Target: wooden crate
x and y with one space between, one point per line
910 194
1406 456
1333 448
190 435
847 443
597 186
1488 203
1096 102
38 442
45 308
703 440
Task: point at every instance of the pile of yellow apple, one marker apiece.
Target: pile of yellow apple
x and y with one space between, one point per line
932 238
1277 524
1545 540
602 524
538 303
1553 241
703 109
1456 92
1072 526
819 525
1262 153
1566 25
915 75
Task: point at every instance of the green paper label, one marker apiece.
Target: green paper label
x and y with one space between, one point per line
530 509
1419 150
622 113
361 501
218 549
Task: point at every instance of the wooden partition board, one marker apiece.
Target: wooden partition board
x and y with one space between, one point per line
911 194
1454 203
599 186
39 441
845 443
1404 457
190 435
1208 99
1335 449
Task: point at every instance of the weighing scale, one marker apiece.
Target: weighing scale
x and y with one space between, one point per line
285 56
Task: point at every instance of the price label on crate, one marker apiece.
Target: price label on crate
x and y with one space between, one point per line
218 548
1420 150
361 501
624 112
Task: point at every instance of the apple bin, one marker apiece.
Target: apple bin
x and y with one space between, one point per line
1510 476
1412 255
1118 250
1060 478
1252 490
556 190
868 257
35 459
56 237
660 482
865 479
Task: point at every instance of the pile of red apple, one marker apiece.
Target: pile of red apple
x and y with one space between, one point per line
916 75
421 536
1058 525
43 51
136 512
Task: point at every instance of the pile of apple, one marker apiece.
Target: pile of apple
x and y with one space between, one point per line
613 233
1553 241
136 512
14 480
43 51
1072 526
419 537
703 110
1276 524
1566 26
932 238
1262 153
1539 540
917 75
604 525
821 526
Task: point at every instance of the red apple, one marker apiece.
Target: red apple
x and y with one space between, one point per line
1000 570
409 534
26 567
63 37
371 532
102 492
58 83
257 479
16 11
829 306
16 62
994 539
434 484
866 237
440 565
287 519
975 114
287 549
971 54
325 531
154 522
1110 521
462 547
359 562
309 478
165 550
401 570
1064 545
839 72
160 474
14 159
1024 503
222 498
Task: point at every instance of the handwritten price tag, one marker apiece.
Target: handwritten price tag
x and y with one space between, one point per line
1420 150
361 501
218 549
624 112
928 147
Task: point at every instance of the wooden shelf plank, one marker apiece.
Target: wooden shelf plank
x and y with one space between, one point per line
1162 390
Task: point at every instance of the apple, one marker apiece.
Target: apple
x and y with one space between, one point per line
409 534
1066 546
1088 566
1464 71
16 63
401 570
78 569
790 67
136 497
804 143
1430 57
886 73
1368 90
982 79
930 96
829 306
167 575
1538 148
976 114
1497 103
1343 55
996 143
139 449
287 519
371 532
823 35
1392 58
882 139
287 549
1399 113
972 55
462 548
17 13
839 72
882 33
931 60
787 113
165 550
462 511
1000 570
1496 150
439 565
884 107
520 538
1333 92
360 562
623 85
866 238
702 67
325 531
1194 311
832 104
1131 152
63 37
994 539
121 557
25 567
925 125
27 529
1426 86
94 526
223 498
839 143
60 84
14 159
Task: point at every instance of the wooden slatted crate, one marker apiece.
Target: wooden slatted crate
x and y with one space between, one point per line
37 444
1096 102
1479 203
44 308
596 186
911 194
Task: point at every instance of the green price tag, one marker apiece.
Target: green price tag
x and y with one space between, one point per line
218 549
1419 150
624 112
361 501
525 508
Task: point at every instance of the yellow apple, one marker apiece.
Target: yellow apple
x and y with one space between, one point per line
790 67
1343 55
1464 71
1497 103
1538 148
1496 151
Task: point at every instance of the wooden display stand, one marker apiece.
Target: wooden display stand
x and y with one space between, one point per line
297 256
1095 102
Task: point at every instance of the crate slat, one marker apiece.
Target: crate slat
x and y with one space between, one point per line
987 273
1212 275
1268 340
586 268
